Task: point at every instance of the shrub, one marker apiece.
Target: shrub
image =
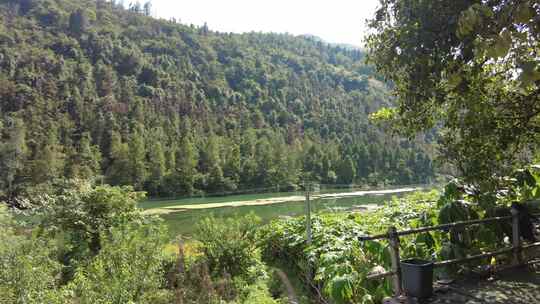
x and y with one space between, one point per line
340 263
229 245
128 268
78 215
28 269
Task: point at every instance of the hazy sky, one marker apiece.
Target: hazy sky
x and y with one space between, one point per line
338 21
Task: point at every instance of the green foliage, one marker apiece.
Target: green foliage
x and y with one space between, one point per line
127 269
340 262
82 208
522 186
137 160
29 272
256 294
78 22
346 171
229 244
222 265
98 87
88 160
466 68
13 154
78 214
91 246
463 202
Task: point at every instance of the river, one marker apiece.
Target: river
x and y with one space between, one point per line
181 215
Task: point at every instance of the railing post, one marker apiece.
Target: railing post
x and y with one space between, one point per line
516 240
309 272
308 214
394 255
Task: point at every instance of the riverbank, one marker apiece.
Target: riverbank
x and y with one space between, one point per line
182 215
274 200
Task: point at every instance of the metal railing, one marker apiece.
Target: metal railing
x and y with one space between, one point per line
393 239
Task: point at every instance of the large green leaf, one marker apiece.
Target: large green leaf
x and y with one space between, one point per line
501 46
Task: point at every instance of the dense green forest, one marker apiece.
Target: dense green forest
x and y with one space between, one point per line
93 93
92 90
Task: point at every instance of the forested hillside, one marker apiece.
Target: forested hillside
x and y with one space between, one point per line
94 91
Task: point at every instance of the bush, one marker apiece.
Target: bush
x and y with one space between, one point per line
229 245
28 270
79 214
128 268
256 294
338 261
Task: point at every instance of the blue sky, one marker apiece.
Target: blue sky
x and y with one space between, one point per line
337 21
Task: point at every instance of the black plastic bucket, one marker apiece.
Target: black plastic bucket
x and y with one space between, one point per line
417 276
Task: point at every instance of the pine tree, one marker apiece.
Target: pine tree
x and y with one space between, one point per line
157 168
186 166
137 160
78 22
110 138
210 154
105 80
170 159
216 181
265 163
118 172
86 163
346 171
50 159
231 167
312 163
13 153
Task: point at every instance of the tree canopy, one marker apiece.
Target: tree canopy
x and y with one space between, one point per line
91 90
470 69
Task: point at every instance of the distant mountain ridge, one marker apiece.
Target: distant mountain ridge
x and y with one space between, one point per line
347 46
91 90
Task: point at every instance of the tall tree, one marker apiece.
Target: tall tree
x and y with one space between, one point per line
186 166
137 159
469 67
78 22
157 168
118 171
50 159
232 164
216 181
13 153
209 156
86 163
260 107
346 171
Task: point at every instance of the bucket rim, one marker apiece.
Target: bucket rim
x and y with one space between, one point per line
417 262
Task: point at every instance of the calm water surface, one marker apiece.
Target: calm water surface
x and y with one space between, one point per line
184 222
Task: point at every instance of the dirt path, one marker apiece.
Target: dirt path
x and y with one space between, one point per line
291 295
